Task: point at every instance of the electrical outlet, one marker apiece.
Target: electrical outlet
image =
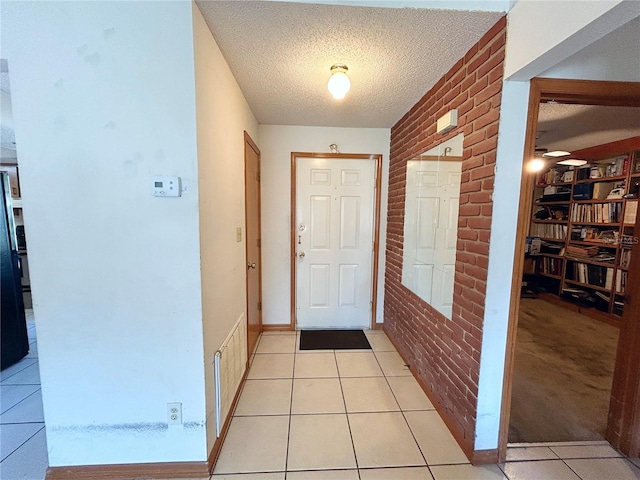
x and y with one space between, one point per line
174 413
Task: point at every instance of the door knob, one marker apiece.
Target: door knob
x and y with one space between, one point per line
301 254
251 265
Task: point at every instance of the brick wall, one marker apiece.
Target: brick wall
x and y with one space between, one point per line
445 354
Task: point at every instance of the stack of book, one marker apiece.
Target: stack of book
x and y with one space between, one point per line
581 250
625 258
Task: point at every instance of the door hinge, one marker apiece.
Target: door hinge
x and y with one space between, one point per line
259 243
258 176
259 306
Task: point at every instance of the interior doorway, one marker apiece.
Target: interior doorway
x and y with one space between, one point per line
572 92
334 232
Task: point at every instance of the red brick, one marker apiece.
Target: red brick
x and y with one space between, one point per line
471 187
482 172
480 197
489 65
479 223
469 210
479 86
491 117
486 146
477 61
487 93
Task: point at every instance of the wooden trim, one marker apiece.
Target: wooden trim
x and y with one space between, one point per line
133 470
587 92
217 446
279 327
292 254
623 426
566 91
376 223
437 158
484 457
605 151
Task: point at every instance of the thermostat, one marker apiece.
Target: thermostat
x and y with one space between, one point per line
166 186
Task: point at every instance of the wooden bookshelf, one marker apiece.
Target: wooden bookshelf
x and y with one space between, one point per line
589 214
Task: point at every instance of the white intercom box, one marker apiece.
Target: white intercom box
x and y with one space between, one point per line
166 186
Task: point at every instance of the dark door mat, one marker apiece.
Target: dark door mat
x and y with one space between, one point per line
333 340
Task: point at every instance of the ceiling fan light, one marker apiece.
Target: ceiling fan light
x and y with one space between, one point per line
573 162
556 153
339 83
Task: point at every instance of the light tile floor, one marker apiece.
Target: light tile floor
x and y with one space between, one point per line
360 415
330 415
23 446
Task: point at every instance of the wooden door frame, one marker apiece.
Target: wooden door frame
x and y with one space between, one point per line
583 92
248 141
376 223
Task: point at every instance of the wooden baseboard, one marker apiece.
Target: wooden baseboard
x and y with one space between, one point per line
485 457
378 326
586 311
476 457
129 471
280 327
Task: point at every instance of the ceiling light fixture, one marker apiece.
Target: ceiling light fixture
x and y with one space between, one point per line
573 162
556 153
535 165
339 83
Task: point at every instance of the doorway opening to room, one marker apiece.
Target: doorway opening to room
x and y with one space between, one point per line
572 302
334 240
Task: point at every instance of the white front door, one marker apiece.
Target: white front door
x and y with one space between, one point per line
333 235
431 227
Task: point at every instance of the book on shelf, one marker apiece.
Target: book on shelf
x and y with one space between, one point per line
532 245
610 212
551 248
621 282
589 274
549 230
625 257
630 212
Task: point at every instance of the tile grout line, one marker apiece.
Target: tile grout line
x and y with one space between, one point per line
346 414
404 416
22 444
293 375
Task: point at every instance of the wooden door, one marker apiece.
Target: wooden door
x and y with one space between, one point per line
334 228
253 242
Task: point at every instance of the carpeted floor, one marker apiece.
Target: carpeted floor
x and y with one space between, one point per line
562 376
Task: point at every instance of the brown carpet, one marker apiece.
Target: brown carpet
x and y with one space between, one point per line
562 376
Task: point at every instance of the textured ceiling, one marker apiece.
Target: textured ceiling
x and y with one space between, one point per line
281 53
573 127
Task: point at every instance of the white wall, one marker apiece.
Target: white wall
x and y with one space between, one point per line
543 33
276 144
504 220
615 57
103 98
223 115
